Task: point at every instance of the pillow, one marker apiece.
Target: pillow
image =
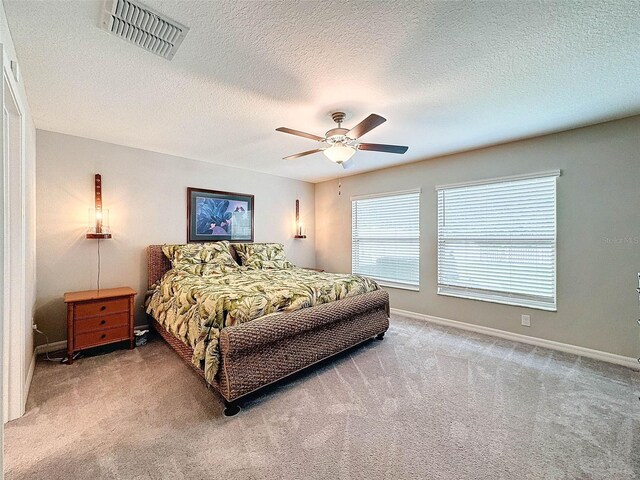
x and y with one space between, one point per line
262 255
192 256
206 269
219 253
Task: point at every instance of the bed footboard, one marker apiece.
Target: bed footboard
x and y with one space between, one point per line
260 352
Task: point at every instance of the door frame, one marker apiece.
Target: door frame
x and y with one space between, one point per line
13 251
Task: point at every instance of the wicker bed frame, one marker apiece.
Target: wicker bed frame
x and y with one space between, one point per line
263 351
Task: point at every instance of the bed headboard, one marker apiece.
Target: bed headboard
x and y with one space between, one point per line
158 264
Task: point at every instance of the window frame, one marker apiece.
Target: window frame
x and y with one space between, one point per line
513 299
382 282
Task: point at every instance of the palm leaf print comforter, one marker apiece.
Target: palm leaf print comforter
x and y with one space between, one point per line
195 307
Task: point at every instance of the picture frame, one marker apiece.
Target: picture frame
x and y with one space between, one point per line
214 215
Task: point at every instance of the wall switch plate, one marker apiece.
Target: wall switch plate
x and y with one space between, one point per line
526 320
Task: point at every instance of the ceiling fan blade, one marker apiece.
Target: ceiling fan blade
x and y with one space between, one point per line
368 124
348 164
299 133
377 147
302 154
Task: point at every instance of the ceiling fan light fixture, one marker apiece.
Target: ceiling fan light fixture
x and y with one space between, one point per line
339 152
340 144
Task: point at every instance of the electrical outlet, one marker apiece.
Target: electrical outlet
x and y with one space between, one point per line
526 320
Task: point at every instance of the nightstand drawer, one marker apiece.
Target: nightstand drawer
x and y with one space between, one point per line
91 324
90 339
102 307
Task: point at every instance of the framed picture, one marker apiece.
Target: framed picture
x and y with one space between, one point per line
214 215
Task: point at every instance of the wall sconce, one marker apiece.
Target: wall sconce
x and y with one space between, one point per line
300 231
98 227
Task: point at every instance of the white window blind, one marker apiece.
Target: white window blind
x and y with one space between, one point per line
385 235
497 240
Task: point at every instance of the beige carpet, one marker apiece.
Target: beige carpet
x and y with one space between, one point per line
427 403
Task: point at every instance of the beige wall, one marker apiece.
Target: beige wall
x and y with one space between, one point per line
146 194
598 212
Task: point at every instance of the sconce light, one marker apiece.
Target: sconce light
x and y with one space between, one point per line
98 227
300 231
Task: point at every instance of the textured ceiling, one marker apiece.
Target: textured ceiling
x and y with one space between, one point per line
448 76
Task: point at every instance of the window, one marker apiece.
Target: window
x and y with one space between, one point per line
385 237
497 240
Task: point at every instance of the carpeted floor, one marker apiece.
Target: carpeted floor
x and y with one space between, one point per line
428 402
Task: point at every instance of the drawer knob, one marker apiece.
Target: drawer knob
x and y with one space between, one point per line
104 335
103 307
102 322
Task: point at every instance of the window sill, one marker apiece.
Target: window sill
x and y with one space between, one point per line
399 286
501 301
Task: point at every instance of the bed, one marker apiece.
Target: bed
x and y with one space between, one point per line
257 353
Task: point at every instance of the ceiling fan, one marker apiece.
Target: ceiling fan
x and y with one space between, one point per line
340 144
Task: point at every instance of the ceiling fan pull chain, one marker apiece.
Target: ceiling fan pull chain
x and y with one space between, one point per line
339 186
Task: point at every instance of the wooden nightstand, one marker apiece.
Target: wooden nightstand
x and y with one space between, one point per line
99 317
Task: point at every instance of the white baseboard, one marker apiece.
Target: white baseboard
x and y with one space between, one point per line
51 347
629 362
27 383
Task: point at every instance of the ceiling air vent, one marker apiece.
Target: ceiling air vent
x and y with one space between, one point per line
142 26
